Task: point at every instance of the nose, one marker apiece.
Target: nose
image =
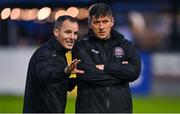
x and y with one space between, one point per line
73 36
101 25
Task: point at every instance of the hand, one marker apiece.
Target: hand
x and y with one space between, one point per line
125 62
100 67
72 68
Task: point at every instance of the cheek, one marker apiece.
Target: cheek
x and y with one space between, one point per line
63 36
109 27
95 29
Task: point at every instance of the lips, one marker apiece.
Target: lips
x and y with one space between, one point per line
70 43
101 32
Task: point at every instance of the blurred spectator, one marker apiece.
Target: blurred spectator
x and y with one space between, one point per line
150 30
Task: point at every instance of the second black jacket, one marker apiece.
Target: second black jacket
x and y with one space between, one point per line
107 90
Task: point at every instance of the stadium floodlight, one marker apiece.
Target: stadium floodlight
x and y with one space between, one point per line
5 13
44 13
72 11
29 14
15 14
59 13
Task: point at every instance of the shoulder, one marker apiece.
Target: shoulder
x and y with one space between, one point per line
85 38
81 41
43 51
120 37
127 42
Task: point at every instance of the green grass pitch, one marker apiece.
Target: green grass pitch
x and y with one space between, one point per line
141 104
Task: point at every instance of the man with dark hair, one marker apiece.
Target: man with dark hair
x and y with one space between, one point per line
48 72
109 63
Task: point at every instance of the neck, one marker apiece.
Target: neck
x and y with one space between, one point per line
107 37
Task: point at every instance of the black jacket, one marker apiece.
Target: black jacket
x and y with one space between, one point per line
107 90
46 83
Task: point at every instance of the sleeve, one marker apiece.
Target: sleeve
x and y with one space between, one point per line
92 74
47 71
126 72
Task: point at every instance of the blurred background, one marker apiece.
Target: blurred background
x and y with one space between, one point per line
153 26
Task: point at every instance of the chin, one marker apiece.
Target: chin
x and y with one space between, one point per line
103 37
69 48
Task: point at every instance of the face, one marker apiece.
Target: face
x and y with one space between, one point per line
67 34
102 26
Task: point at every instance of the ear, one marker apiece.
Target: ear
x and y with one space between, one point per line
112 21
55 32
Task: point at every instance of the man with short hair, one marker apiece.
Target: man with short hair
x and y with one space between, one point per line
109 63
48 72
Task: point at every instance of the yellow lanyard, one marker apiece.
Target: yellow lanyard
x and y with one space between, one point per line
69 59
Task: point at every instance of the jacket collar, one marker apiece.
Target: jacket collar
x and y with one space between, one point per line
57 46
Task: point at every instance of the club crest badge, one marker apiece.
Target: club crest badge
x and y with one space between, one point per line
118 52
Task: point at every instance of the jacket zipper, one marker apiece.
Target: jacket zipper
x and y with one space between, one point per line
108 102
107 88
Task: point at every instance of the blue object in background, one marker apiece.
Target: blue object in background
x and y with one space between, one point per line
142 86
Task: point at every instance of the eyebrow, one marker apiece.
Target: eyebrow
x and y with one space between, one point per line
68 31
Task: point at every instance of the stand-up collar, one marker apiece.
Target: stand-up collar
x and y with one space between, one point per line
58 47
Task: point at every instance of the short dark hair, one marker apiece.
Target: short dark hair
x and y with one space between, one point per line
99 9
61 19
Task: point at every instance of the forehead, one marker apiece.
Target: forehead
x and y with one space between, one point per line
94 18
67 24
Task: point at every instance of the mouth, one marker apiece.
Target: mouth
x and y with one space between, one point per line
101 33
70 43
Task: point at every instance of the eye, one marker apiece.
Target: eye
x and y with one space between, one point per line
96 22
76 33
68 31
105 21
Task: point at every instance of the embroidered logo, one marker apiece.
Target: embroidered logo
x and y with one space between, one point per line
95 51
118 52
54 53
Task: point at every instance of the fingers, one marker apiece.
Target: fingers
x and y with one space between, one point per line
72 67
74 63
67 70
77 62
125 62
76 71
79 72
100 67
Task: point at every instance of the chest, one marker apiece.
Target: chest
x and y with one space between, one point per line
102 54
59 59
